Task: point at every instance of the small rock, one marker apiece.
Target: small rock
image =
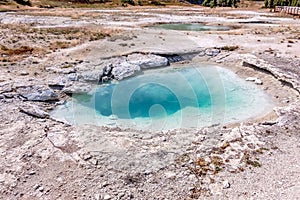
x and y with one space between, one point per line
170 175
63 70
113 117
226 184
33 110
104 184
90 76
258 82
97 196
31 173
87 157
41 189
107 70
58 138
106 197
37 93
10 95
250 79
233 135
148 61
124 70
24 73
202 53
57 83
72 77
94 161
120 195
269 123
5 87
212 52
77 88
105 79
36 186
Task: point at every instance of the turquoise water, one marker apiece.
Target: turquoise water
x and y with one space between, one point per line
191 27
135 97
193 96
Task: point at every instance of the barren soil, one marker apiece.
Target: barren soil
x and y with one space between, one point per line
41 51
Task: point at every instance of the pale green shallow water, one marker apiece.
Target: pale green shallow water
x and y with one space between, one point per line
190 27
189 97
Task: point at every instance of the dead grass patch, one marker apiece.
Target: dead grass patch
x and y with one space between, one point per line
4 50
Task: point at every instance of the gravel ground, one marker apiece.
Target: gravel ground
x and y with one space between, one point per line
43 158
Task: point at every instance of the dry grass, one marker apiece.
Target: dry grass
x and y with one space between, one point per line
4 50
21 41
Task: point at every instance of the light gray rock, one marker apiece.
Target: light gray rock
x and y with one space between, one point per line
90 76
107 197
226 184
24 73
212 52
257 81
37 93
10 95
252 61
252 79
124 70
33 110
59 70
58 83
77 88
97 196
233 135
146 61
287 115
72 76
107 70
5 87
58 138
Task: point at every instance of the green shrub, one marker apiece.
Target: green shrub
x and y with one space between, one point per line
130 2
221 3
24 2
157 3
273 3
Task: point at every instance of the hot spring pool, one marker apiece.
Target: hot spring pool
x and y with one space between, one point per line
190 27
185 97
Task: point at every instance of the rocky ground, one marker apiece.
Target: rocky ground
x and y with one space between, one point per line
48 55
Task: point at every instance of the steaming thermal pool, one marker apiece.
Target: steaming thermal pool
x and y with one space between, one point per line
183 97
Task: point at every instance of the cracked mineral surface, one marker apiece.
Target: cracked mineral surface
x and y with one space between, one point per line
48 55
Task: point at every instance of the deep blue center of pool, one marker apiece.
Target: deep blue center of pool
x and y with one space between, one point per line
153 95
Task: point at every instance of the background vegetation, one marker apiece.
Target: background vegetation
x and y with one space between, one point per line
273 3
221 3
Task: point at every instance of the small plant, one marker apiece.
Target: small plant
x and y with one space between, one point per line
24 2
140 3
21 50
97 36
67 66
229 48
60 45
247 159
261 150
157 3
130 2
254 163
